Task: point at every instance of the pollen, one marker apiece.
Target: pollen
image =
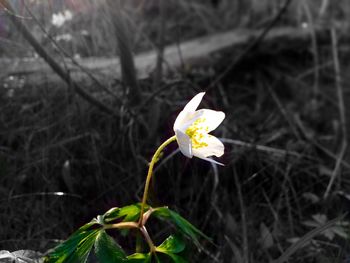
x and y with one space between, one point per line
197 132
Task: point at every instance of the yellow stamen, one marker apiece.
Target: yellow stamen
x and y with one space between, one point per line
196 133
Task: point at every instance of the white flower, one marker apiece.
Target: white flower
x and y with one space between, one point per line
192 127
64 37
68 15
60 18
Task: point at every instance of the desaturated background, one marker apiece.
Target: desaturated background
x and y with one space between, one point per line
63 161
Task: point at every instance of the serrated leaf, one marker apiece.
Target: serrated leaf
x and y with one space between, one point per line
128 213
85 227
139 258
74 249
111 214
107 250
173 244
83 250
181 223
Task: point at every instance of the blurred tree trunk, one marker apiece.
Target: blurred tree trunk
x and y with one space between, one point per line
128 71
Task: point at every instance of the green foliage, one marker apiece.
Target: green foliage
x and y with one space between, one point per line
78 246
75 249
171 246
181 223
128 213
139 257
107 250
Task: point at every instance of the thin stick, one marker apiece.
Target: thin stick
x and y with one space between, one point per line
243 218
283 111
264 148
316 90
342 116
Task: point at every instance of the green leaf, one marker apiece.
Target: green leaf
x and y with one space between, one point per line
157 258
76 248
139 258
128 213
83 250
181 223
176 258
173 244
85 227
78 245
107 250
111 214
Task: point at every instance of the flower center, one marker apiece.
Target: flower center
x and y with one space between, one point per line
197 131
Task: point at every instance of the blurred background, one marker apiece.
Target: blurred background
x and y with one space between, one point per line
76 141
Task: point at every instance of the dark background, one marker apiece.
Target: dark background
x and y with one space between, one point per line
285 132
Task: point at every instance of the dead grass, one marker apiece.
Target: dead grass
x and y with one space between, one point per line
281 149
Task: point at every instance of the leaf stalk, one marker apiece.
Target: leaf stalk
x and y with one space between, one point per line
155 158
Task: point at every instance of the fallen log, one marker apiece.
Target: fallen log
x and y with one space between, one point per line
197 52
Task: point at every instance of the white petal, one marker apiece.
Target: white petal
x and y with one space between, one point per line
188 110
207 120
211 160
215 147
193 104
184 143
212 118
180 119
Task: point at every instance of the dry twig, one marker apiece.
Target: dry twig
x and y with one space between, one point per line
342 117
243 218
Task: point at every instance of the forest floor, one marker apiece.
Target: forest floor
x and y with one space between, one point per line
63 161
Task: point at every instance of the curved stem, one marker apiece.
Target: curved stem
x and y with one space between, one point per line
121 225
149 174
149 241
146 215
